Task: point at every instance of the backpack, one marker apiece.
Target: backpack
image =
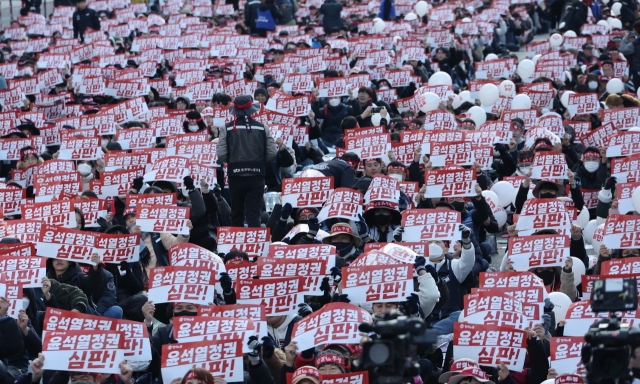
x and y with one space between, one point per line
264 20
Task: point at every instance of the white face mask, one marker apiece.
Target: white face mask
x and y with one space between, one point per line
105 142
384 88
334 102
193 128
435 252
84 169
591 166
524 169
593 85
396 176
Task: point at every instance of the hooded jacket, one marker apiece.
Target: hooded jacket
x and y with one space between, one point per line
247 153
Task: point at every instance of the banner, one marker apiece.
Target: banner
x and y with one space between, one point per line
378 283
621 232
256 313
456 182
494 308
624 266
532 299
306 192
279 296
99 351
163 219
272 267
431 224
490 345
333 323
185 254
181 284
200 328
221 358
538 251
137 344
625 169
301 252
344 203
26 271
549 165
254 241
58 213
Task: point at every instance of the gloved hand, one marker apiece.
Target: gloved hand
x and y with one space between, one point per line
138 183
343 298
466 234
397 234
255 345
548 305
308 353
188 183
432 270
286 212
268 347
610 182
324 285
204 187
499 147
304 309
217 191
124 266
419 264
314 226
336 274
413 304
102 222
225 282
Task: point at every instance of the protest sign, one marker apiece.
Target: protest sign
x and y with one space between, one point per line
306 192
301 251
181 284
163 219
199 328
430 224
220 358
27 271
334 323
256 313
344 203
58 213
538 251
494 308
566 354
99 351
378 283
450 182
254 241
280 296
549 165
621 231
490 345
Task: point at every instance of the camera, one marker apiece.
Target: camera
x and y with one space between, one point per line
376 109
390 355
609 343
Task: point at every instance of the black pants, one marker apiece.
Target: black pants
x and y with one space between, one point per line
247 197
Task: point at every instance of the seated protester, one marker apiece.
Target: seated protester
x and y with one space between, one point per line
279 330
79 219
128 281
504 166
36 373
283 225
303 375
455 368
525 159
28 157
569 147
592 171
455 269
518 136
398 171
331 362
342 169
556 278
12 343
88 170
342 237
372 167
55 295
98 285
193 122
382 218
367 98
273 173
332 115
548 188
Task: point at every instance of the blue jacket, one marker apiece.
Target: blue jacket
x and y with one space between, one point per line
331 15
389 12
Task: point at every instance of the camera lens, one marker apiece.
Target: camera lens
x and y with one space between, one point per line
379 353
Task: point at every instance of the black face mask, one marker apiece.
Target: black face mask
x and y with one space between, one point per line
343 248
184 313
548 195
458 206
381 220
305 221
546 276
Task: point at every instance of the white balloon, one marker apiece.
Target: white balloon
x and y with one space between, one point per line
561 303
633 129
411 16
615 85
491 56
375 119
598 234
535 58
465 96
549 381
521 101
526 68
507 88
565 98
578 270
466 20
635 199
555 40
505 192
605 24
379 26
457 101
430 102
461 318
440 78
615 9
376 20
587 231
501 216
569 34
488 94
616 24
490 195
421 8
583 218
478 115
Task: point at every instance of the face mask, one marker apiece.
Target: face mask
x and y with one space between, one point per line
184 313
193 128
520 140
591 166
435 252
303 221
384 88
381 220
524 169
593 85
84 169
343 248
334 102
105 142
396 176
122 197
458 206
548 195
546 276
